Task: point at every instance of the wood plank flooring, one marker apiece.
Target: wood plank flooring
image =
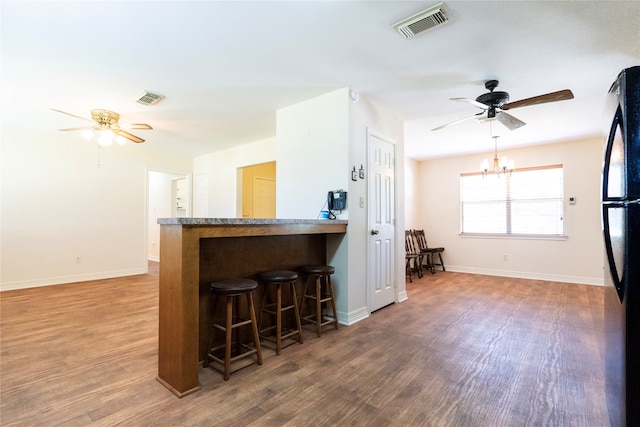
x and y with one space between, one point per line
464 350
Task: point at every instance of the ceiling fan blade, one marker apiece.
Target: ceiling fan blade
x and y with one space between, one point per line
472 102
129 136
72 115
509 121
475 116
138 126
561 95
80 128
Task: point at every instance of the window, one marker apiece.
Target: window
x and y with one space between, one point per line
529 202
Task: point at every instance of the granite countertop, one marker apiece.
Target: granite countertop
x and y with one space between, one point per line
246 221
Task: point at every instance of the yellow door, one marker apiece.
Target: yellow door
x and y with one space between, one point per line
264 197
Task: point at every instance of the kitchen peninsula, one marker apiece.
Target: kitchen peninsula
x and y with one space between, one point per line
196 251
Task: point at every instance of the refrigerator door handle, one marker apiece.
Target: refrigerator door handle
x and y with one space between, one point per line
613 268
613 145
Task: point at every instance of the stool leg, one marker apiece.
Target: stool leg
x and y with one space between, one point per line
318 305
332 301
229 332
278 318
304 295
264 302
296 311
214 305
254 327
236 333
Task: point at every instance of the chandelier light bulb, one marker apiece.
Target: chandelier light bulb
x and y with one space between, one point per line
503 162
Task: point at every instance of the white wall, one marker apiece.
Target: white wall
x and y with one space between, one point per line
313 154
577 259
58 206
312 159
319 142
411 194
221 168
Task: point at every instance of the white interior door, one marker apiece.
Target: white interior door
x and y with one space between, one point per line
381 260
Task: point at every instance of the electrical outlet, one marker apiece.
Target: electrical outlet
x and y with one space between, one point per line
77 260
505 257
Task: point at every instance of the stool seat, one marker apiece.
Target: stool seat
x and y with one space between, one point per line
318 269
233 286
278 276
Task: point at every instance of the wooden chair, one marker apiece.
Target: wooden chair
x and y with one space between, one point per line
429 252
412 253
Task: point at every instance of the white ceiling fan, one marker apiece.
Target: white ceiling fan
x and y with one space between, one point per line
105 124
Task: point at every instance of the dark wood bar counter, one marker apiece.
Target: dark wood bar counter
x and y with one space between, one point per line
196 251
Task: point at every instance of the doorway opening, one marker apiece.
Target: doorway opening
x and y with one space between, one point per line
169 196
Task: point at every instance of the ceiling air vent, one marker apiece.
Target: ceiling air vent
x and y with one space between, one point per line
148 98
423 21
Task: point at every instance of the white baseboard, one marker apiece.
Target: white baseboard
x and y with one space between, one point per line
596 281
403 296
48 281
353 317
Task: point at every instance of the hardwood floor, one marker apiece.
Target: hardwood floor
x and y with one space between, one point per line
464 350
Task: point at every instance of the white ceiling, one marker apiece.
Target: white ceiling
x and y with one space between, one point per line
225 67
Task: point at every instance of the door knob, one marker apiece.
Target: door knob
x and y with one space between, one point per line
374 232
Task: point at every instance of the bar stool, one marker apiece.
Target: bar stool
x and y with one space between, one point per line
278 279
231 289
321 293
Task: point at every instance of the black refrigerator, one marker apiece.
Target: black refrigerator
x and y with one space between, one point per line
621 229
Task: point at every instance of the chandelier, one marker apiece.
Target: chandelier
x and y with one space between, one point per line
500 165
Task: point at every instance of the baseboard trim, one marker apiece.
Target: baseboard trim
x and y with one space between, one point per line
595 281
353 316
49 281
403 296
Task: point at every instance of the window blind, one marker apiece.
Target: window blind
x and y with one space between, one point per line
526 202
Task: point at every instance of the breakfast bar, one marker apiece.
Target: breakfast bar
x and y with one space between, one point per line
197 251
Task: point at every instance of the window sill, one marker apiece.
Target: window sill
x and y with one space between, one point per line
514 236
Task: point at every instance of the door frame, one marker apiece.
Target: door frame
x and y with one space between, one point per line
147 211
